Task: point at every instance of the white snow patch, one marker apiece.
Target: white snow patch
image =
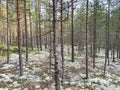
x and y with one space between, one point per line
25 88
73 83
4 89
17 89
16 84
37 86
73 64
48 78
5 78
7 66
68 89
22 77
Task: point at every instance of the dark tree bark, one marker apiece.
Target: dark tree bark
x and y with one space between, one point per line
19 39
62 41
50 54
26 31
23 38
106 49
8 43
87 38
107 36
57 79
50 40
108 29
113 49
72 32
45 36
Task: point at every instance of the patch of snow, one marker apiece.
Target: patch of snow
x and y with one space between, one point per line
4 89
68 89
48 78
66 82
73 83
34 78
103 82
93 80
17 89
113 87
22 77
16 84
73 64
37 86
37 79
7 66
5 78
45 89
25 89
82 75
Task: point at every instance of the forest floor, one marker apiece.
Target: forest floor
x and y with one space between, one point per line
37 74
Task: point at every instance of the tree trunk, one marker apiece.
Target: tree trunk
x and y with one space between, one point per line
108 23
62 47
19 40
26 31
8 28
57 79
37 32
87 38
31 32
39 12
94 37
72 32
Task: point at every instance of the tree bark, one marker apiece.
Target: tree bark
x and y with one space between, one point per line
39 12
8 43
57 79
72 32
26 31
31 32
94 37
87 38
62 41
19 40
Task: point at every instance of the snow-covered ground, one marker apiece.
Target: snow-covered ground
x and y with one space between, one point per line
37 75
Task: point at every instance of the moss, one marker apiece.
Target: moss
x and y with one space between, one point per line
1 47
12 50
4 52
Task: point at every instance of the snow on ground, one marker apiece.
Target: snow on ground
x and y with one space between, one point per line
37 77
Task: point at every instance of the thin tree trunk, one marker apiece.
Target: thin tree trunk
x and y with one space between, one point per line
26 31
57 79
50 47
62 47
31 32
94 37
37 32
87 38
108 23
19 40
8 44
39 12
72 32
114 43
